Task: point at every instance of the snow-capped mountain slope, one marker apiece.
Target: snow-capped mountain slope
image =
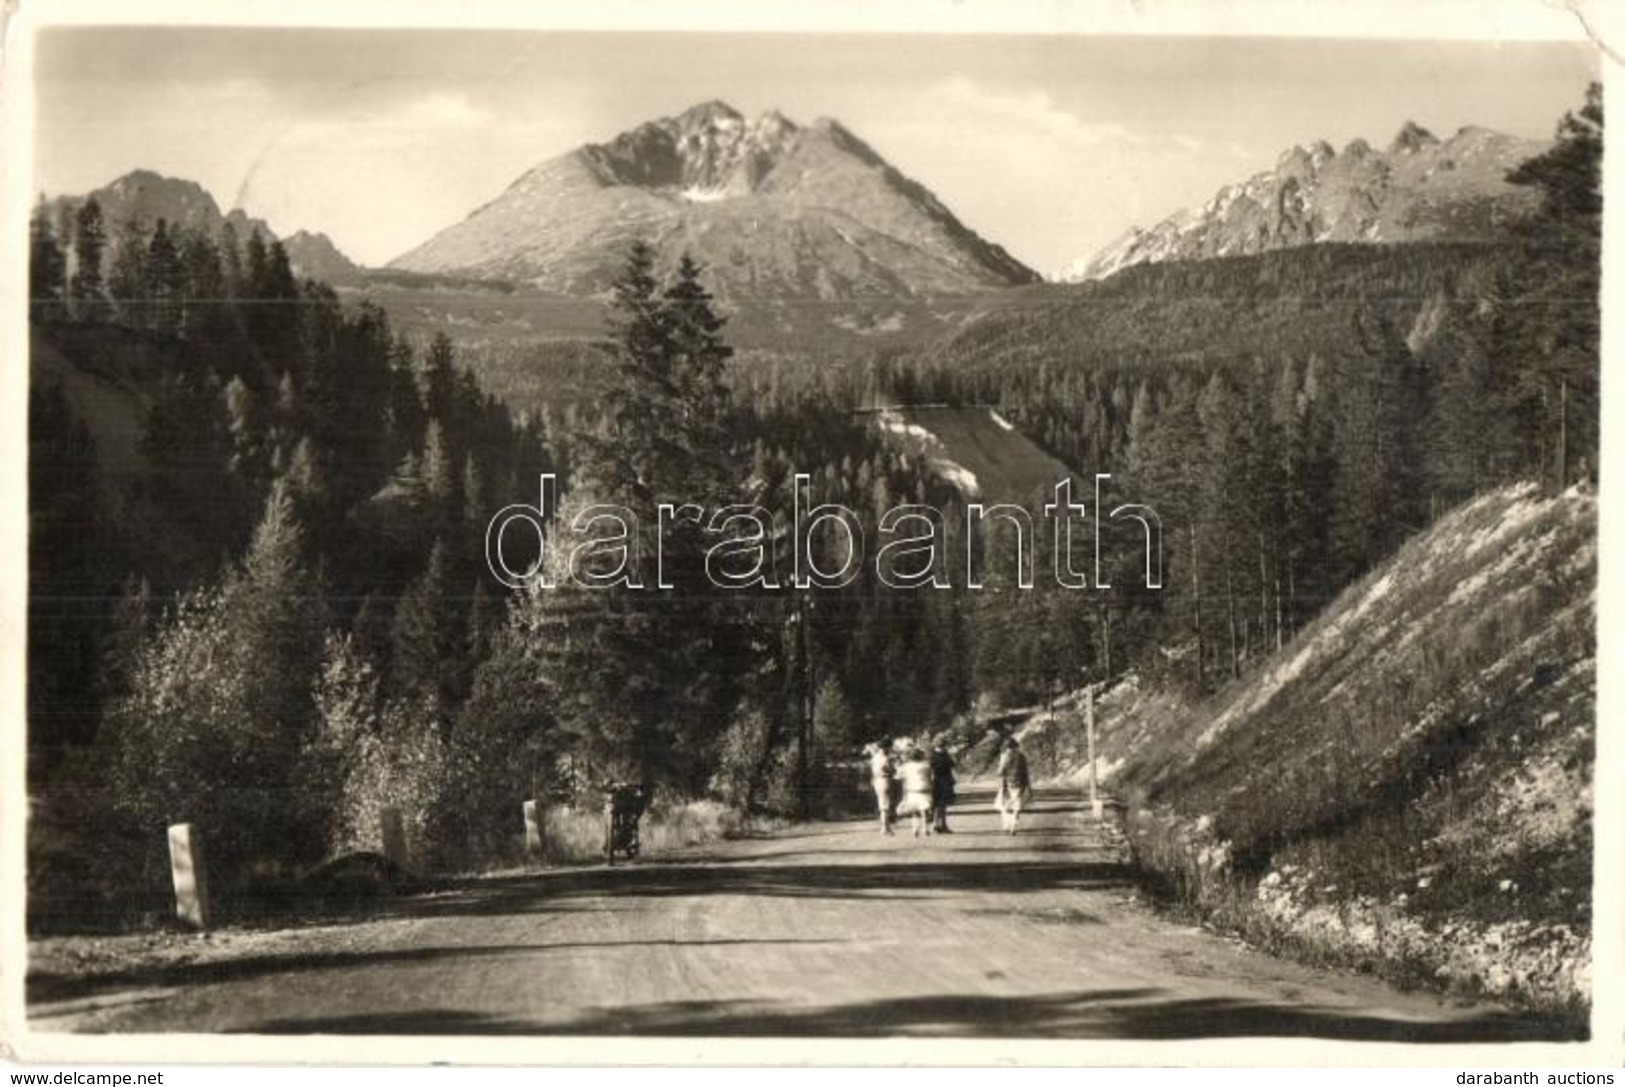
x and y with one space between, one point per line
774 209
1419 188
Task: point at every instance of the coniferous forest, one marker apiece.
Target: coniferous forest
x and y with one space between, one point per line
259 598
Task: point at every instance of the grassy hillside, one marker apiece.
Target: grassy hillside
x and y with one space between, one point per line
1409 784
974 450
108 399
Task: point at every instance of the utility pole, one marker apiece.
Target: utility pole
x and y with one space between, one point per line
1095 803
1563 435
808 707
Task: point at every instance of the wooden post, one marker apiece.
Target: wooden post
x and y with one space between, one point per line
1095 802
392 830
1106 638
1563 436
186 868
535 830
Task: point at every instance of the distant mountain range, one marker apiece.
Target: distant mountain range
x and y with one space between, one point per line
1420 189
786 213
145 197
774 209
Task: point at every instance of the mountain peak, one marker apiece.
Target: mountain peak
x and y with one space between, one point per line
143 176
710 112
151 195
315 255
774 209
1411 138
1306 157
705 153
145 196
772 125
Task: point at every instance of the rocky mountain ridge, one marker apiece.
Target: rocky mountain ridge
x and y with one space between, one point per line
145 196
1419 188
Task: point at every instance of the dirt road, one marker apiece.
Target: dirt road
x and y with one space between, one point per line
824 930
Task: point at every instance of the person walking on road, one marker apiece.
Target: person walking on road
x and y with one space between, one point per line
942 786
881 773
1015 785
895 795
917 791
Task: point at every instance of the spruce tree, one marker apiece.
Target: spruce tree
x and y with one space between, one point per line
439 378
47 267
131 624
164 279
279 604
89 242
1548 334
203 294
645 679
231 263
428 636
439 473
639 456
220 707
129 279
699 357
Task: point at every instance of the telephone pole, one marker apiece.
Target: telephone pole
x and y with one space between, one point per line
809 695
1095 803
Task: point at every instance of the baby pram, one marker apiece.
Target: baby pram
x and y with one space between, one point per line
624 805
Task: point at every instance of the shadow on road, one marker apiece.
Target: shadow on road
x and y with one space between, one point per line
909 878
55 987
1104 1013
586 890
968 877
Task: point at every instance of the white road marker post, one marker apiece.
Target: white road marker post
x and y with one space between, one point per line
186 868
535 830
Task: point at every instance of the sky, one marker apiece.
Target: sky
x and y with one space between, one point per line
1050 145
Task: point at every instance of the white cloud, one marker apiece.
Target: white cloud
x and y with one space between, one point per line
431 151
436 110
995 153
1030 113
388 127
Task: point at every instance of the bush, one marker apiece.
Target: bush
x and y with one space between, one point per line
87 866
741 757
402 765
576 835
219 709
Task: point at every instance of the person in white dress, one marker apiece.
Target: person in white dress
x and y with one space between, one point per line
881 773
1015 785
917 793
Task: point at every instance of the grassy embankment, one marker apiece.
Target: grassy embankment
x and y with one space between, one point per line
1407 786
